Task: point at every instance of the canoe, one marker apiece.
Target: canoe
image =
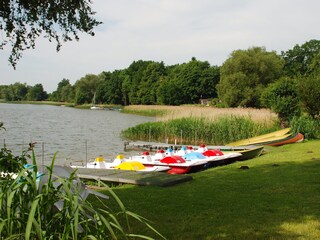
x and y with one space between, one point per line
262 138
293 138
248 153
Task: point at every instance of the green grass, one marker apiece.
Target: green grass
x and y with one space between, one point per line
277 198
146 112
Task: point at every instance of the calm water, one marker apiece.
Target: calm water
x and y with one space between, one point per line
76 134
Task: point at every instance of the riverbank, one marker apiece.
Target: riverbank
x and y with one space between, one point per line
276 198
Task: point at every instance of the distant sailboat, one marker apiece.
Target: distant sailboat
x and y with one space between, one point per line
94 107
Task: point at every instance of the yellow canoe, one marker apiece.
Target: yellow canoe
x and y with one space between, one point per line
277 135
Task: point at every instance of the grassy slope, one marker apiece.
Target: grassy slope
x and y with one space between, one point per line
277 198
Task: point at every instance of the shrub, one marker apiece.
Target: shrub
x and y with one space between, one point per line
308 126
281 97
309 93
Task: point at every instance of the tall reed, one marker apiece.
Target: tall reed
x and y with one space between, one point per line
56 210
196 130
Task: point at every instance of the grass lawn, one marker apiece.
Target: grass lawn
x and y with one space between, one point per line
278 197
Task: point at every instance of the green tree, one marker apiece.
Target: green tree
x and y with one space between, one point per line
110 89
245 74
302 59
15 92
132 82
64 92
23 21
309 94
85 88
192 80
282 97
36 93
168 93
147 93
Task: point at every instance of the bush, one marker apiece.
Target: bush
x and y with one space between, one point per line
308 126
309 93
282 97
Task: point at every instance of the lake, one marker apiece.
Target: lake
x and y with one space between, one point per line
78 135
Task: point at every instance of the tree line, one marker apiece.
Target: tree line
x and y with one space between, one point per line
288 83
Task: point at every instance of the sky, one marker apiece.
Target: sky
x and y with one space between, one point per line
172 31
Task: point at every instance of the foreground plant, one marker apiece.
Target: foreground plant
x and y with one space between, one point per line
47 205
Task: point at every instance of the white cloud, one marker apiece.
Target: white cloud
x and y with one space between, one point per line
172 31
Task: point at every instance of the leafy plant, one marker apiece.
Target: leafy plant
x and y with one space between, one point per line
282 97
53 207
308 126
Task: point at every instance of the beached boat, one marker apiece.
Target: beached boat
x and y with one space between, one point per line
262 138
120 162
138 166
213 157
177 164
244 152
248 153
293 138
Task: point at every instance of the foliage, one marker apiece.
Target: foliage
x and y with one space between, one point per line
199 130
85 88
306 125
64 92
37 93
244 75
22 22
303 59
188 83
109 90
282 97
309 94
11 163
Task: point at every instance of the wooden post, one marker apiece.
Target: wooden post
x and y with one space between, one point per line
42 157
86 143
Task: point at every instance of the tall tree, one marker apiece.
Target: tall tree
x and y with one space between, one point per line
63 92
85 88
109 90
302 59
131 84
309 94
193 80
147 93
245 74
23 21
36 93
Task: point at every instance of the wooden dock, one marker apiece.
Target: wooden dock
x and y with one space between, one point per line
133 177
150 146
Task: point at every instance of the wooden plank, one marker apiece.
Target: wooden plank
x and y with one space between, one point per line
133 177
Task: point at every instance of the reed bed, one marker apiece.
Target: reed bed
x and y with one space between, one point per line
197 130
199 124
164 113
